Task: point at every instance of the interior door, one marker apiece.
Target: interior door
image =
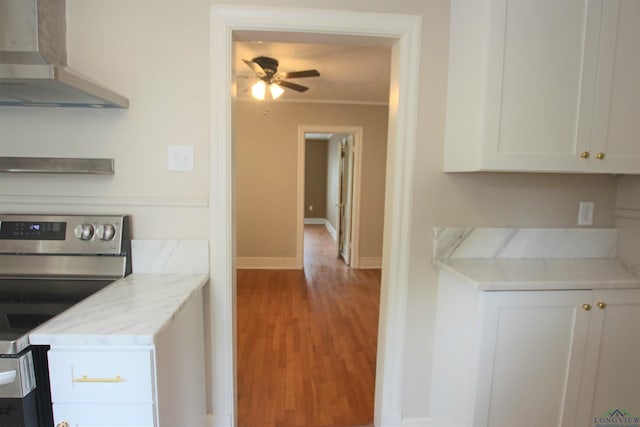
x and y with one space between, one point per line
346 190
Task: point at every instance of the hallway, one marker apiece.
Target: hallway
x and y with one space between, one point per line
307 341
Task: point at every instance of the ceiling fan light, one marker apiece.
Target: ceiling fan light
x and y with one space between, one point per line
259 89
275 90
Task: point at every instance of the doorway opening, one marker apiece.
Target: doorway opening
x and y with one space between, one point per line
294 324
330 168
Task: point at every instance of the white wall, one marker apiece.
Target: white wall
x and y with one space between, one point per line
156 52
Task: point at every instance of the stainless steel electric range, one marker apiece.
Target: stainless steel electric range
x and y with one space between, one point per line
48 263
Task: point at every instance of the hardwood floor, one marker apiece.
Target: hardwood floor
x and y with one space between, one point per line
307 341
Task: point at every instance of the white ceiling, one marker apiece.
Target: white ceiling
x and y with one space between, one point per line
355 72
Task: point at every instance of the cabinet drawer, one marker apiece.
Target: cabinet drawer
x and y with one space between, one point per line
94 376
94 415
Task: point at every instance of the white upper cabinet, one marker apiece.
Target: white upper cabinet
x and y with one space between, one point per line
544 86
616 128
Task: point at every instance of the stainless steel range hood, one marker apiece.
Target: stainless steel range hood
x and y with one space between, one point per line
33 60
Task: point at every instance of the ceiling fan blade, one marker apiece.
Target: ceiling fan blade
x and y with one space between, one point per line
292 86
300 74
256 68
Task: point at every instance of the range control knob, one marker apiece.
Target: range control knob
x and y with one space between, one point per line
84 231
106 232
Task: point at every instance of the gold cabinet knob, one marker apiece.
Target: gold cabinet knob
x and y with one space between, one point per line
586 307
601 305
600 156
585 154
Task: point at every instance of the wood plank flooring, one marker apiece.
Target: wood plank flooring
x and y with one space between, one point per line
307 341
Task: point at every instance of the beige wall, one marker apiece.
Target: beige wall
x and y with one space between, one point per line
266 159
315 178
156 52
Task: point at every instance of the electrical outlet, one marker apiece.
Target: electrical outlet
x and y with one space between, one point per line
180 158
585 213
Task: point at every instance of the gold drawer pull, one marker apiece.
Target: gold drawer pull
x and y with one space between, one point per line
600 156
585 154
586 307
601 305
86 379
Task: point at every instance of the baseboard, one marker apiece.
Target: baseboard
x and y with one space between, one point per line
218 421
315 221
416 422
332 231
370 262
266 263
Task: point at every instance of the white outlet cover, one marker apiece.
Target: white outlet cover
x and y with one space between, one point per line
180 158
585 213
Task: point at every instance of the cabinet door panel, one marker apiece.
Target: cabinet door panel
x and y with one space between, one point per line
530 357
88 415
543 61
133 367
612 378
616 130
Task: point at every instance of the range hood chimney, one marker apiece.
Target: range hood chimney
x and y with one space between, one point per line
33 60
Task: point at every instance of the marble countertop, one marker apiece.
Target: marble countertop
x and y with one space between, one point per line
542 274
500 259
130 311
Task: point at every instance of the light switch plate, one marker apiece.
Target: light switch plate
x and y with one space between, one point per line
180 158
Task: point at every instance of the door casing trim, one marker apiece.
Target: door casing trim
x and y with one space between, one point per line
404 33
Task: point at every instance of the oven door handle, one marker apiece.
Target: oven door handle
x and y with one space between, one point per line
7 377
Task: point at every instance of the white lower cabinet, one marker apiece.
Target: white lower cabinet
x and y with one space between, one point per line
611 379
528 363
103 386
155 385
534 358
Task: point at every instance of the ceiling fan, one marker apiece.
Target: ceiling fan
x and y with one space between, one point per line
266 70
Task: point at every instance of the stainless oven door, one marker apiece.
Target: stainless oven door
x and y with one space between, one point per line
17 378
18 397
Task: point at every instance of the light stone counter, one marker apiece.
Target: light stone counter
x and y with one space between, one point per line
130 311
542 274
499 259
133 310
